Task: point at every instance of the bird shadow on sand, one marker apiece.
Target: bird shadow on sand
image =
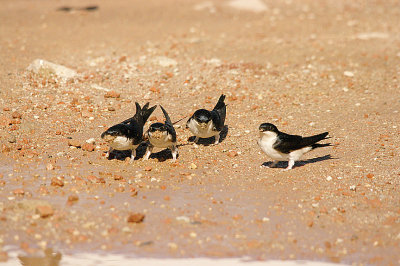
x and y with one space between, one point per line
122 155
210 141
284 164
163 155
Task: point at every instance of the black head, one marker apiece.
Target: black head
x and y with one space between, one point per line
157 127
264 127
202 116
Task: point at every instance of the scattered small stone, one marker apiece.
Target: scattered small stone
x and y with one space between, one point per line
112 94
328 178
16 115
192 166
183 219
148 168
232 154
353 188
74 143
172 245
3 256
111 108
135 218
88 147
165 61
50 167
19 191
57 182
40 66
91 141
12 139
73 198
370 175
118 177
95 179
348 74
44 211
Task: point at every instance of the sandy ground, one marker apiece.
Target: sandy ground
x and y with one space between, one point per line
306 66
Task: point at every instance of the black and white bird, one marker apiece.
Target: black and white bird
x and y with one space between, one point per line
207 124
281 146
128 134
161 135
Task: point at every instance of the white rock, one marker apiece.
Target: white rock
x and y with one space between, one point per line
91 141
348 74
249 5
63 72
165 61
372 35
329 178
183 219
100 88
214 61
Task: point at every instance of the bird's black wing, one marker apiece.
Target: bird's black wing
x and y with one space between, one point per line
312 140
286 143
169 125
218 114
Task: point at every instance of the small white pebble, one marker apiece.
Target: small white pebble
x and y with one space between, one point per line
91 141
329 178
353 188
183 219
265 219
348 74
345 89
339 177
91 118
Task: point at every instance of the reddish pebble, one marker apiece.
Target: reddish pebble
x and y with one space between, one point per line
232 154
112 94
19 191
50 167
118 177
73 198
44 211
148 168
95 179
74 143
57 182
16 115
88 147
135 218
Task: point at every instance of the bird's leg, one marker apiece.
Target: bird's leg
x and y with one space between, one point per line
133 155
216 139
290 164
174 151
196 139
108 153
149 150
